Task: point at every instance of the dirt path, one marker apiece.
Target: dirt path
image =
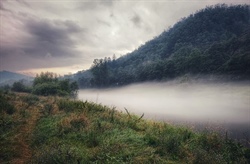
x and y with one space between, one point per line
24 135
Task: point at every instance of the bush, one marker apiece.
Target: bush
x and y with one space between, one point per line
46 89
30 99
20 87
5 89
48 84
48 109
5 106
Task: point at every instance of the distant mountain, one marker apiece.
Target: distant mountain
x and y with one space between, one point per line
215 40
7 77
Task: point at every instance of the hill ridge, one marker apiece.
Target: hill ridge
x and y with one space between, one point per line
8 77
214 40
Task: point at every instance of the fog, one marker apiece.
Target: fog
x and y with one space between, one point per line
226 104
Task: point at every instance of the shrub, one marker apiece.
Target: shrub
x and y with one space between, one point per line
5 89
5 106
65 105
30 99
20 87
48 108
48 84
46 89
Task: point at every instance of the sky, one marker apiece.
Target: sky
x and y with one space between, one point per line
65 36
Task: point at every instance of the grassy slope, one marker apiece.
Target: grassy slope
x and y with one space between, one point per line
55 130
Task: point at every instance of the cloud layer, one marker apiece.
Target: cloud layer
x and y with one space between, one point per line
71 34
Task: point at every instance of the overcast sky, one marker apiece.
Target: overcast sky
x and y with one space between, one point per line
65 36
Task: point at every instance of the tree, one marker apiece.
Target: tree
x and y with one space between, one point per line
100 72
74 87
45 77
113 57
49 84
19 87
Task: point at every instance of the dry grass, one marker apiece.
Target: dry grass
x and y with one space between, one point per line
77 121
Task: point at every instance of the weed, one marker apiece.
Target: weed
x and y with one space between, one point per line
92 139
30 99
48 109
24 113
70 106
59 153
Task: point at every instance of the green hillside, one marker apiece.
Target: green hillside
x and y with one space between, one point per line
57 130
214 40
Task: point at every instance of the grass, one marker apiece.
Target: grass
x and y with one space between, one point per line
58 130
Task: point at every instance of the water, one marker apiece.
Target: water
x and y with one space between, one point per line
217 106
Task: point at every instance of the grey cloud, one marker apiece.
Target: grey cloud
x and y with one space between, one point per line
1 5
22 2
52 37
92 5
103 22
136 20
107 3
41 42
3 8
73 27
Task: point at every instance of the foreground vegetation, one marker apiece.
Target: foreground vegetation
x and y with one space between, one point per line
57 130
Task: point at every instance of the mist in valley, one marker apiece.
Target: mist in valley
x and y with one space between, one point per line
216 104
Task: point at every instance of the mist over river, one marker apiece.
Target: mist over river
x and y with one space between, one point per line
199 104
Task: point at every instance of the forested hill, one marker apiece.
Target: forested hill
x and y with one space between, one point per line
215 40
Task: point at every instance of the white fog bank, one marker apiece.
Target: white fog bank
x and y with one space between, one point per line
188 102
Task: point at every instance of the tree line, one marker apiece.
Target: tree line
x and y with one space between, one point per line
46 83
215 40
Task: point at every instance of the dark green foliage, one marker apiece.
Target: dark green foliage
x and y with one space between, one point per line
48 108
45 77
5 89
48 84
73 88
6 106
20 87
100 72
215 40
235 149
46 89
7 126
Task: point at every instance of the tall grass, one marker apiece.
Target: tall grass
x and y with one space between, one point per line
85 132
